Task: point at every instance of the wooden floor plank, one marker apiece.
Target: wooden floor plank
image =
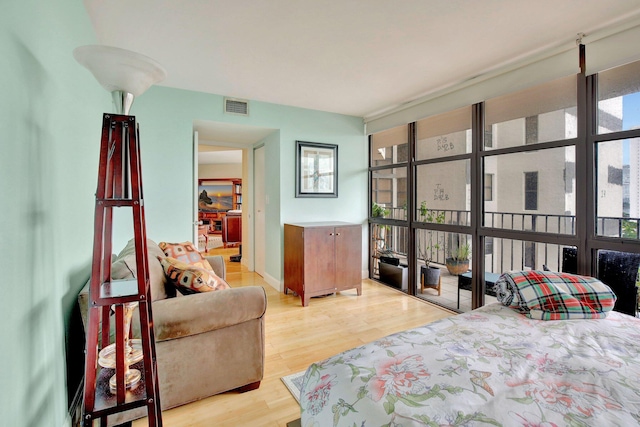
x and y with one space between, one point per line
297 336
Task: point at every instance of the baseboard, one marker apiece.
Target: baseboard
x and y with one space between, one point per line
275 283
75 409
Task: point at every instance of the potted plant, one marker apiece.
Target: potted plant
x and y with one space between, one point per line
427 245
458 262
378 211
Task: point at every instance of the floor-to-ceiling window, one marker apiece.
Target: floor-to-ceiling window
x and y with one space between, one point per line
388 234
543 178
442 221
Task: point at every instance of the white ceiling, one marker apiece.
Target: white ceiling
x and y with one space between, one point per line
346 56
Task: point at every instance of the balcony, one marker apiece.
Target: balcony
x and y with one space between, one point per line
500 254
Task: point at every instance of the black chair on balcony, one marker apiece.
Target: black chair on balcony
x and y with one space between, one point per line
464 282
618 270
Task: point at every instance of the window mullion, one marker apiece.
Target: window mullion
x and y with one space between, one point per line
585 167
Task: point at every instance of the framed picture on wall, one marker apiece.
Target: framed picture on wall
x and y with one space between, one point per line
215 197
316 169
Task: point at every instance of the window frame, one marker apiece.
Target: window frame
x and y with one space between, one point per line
584 239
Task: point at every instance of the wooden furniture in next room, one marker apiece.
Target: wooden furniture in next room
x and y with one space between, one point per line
232 229
232 233
321 258
216 197
213 221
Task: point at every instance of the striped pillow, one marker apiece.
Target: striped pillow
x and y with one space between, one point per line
547 295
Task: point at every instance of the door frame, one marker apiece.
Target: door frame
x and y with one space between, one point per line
256 249
247 197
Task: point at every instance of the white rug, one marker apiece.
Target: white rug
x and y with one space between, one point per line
294 384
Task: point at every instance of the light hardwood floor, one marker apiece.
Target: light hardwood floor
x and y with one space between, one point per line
297 337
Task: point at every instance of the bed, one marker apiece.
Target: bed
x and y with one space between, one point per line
491 366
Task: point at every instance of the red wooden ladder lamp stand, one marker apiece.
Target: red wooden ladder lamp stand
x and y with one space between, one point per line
111 384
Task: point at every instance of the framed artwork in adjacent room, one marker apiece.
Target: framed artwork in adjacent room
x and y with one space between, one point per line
316 169
215 197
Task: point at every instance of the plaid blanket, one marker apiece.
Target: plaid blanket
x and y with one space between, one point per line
548 295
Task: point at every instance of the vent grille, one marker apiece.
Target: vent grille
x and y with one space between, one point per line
236 106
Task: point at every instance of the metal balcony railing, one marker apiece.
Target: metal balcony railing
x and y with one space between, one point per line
500 254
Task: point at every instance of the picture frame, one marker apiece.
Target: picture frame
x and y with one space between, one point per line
213 197
316 169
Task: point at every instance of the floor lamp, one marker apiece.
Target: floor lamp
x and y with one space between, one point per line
126 75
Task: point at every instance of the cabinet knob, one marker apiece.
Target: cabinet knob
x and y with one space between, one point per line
337 234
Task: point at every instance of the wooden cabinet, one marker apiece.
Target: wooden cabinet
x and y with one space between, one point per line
321 258
232 230
213 220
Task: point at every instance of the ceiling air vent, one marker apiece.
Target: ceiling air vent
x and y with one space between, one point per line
236 106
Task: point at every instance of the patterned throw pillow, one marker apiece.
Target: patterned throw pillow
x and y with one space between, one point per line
186 253
189 277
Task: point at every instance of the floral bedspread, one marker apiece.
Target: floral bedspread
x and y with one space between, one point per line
490 366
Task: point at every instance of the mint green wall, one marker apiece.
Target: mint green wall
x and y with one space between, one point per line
50 118
166 120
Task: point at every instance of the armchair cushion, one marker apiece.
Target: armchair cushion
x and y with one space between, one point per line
191 277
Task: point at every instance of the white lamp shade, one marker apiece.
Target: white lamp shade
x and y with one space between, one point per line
120 69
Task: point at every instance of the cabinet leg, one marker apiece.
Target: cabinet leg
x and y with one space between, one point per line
305 300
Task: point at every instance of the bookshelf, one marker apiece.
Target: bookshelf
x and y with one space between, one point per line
237 195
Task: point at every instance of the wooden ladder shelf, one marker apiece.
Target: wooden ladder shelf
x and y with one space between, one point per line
119 185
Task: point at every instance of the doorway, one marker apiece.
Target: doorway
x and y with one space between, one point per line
230 149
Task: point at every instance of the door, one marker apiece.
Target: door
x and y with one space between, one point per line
348 254
259 210
319 260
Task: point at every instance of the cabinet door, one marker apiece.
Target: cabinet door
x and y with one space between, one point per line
319 259
293 258
348 262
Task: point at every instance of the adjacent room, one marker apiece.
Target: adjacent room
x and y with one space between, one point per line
354 213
